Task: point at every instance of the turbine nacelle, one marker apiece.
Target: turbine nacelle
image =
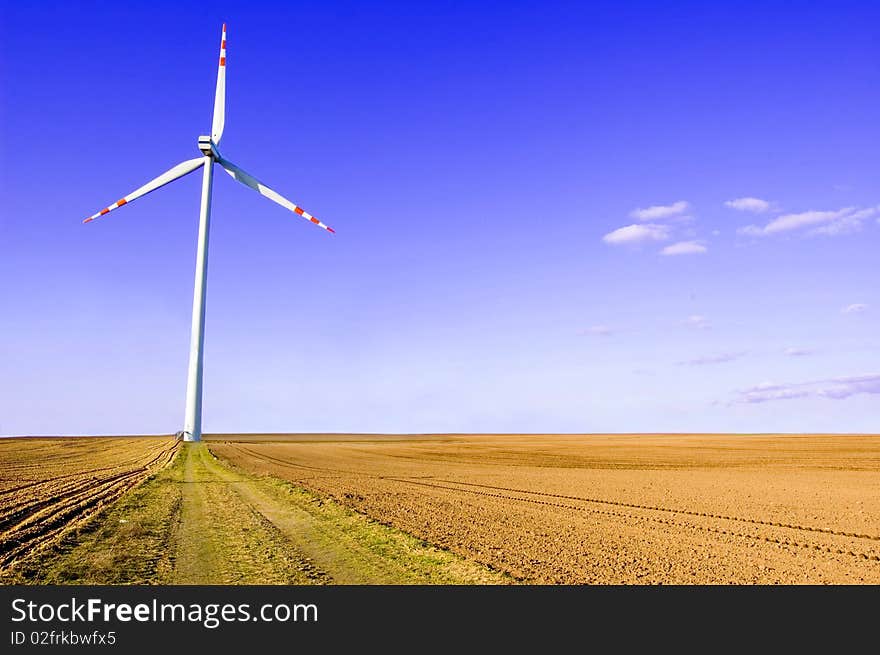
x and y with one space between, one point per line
208 147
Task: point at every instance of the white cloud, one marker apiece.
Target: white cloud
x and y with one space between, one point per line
788 222
684 248
755 205
766 392
713 359
600 330
843 226
846 224
828 223
798 352
660 211
845 387
855 308
698 321
637 233
832 388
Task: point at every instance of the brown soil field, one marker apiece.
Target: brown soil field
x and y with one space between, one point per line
618 509
49 485
197 521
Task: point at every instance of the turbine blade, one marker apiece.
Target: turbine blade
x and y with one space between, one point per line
262 189
180 170
220 95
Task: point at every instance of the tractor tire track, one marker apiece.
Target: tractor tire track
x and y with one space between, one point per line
658 520
43 481
626 516
791 526
42 520
604 501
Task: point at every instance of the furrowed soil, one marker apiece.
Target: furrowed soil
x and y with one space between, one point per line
619 509
51 486
199 521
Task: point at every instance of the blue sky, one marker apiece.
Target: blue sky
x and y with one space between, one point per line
550 217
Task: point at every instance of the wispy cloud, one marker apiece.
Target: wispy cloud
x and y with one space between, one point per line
827 223
846 224
755 205
832 388
637 234
698 321
599 330
855 308
767 391
788 222
684 248
713 359
797 352
658 212
865 213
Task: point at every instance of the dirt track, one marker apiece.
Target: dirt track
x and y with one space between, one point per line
679 509
49 485
237 528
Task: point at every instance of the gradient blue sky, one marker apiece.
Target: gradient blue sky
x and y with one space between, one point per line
478 161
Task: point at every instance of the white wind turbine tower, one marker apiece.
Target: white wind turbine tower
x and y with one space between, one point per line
192 427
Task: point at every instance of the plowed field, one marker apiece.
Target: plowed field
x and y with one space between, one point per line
49 485
194 521
680 509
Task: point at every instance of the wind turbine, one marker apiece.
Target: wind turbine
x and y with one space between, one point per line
192 426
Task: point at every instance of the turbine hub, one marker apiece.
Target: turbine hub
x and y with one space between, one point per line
208 147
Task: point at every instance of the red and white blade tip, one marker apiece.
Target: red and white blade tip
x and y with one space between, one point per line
306 215
223 47
106 210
